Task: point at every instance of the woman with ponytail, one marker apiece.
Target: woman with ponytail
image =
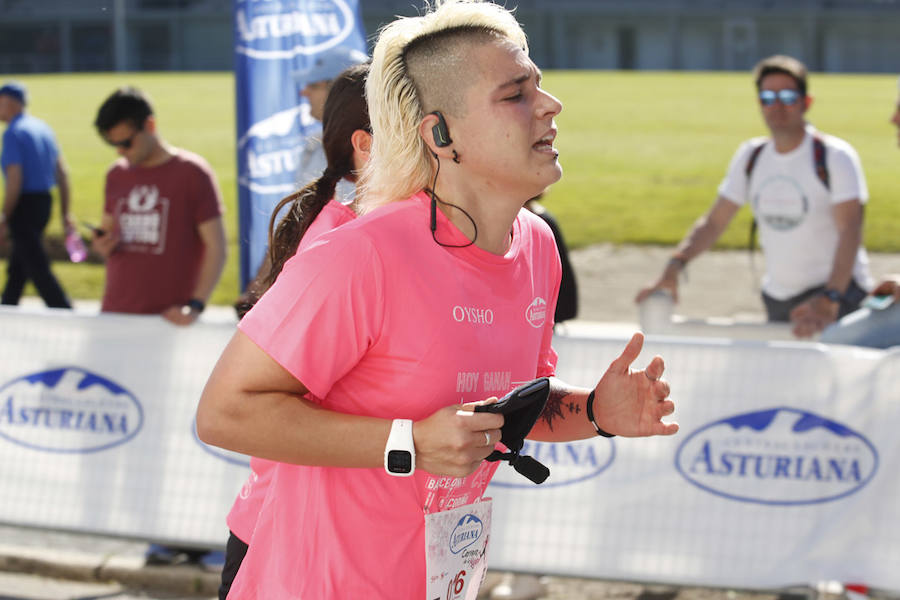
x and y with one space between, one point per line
346 137
313 210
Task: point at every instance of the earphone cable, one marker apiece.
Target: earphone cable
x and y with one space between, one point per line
434 201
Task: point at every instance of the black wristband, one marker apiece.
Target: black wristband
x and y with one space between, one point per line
590 414
196 305
832 294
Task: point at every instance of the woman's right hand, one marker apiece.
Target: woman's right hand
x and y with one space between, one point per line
454 440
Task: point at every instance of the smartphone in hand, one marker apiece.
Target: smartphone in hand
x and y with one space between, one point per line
878 302
525 395
93 228
520 408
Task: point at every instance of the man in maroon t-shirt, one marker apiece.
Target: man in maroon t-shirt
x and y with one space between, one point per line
161 233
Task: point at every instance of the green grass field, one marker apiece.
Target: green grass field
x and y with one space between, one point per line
642 152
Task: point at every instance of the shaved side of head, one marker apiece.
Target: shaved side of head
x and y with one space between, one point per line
442 68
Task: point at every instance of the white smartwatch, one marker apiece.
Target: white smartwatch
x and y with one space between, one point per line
400 452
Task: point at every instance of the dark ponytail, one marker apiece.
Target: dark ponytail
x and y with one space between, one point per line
305 206
345 111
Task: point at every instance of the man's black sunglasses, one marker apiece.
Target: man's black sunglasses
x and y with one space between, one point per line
126 143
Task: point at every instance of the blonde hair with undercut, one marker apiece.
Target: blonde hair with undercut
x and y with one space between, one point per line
413 67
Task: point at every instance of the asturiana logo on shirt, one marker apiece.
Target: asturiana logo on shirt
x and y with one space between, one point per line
473 314
779 456
466 533
68 409
536 313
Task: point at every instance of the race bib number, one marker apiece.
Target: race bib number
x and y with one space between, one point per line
456 544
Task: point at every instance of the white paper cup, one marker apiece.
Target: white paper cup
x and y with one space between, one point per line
656 312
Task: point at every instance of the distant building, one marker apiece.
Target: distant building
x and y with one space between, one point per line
828 35
141 35
115 35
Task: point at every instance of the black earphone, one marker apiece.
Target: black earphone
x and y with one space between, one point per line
440 132
442 140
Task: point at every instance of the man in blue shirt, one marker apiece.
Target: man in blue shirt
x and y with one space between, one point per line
32 165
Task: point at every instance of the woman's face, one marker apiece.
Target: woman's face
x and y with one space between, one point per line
504 136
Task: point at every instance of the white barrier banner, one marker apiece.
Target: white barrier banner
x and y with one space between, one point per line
97 427
783 473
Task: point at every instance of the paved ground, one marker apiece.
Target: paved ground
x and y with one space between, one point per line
40 565
46 565
718 284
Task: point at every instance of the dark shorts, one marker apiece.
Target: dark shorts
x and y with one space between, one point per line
235 550
780 310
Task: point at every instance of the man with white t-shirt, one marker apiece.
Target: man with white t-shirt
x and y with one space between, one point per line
807 192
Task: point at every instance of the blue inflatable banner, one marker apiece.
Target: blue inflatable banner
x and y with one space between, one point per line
273 39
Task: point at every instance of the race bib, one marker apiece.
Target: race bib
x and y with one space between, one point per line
456 544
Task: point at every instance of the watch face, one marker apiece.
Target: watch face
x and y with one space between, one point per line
399 461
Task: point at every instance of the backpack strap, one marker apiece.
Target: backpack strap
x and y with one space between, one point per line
821 166
748 170
819 161
751 162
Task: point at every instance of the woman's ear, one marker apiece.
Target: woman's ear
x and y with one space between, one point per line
361 140
428 135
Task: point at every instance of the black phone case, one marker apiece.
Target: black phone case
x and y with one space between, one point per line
521 408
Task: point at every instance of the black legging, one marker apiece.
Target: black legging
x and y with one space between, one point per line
235 550
27 258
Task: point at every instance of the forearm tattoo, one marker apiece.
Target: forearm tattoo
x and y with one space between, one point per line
559 406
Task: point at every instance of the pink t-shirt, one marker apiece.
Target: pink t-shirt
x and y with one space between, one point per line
377 319
242 518
157 211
